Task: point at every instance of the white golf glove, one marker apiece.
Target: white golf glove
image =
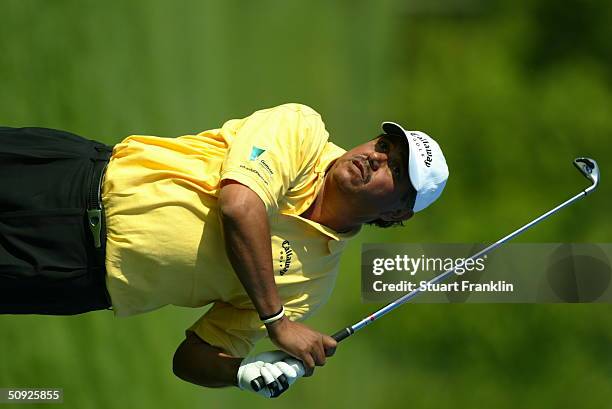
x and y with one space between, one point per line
269 374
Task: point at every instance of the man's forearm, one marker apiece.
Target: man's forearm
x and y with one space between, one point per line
198 362
247 242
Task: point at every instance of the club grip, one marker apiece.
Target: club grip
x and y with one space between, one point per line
258 383
342 334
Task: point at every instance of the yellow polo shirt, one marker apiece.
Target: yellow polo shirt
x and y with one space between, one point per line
164 238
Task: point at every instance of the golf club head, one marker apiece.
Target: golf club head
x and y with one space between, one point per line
588 167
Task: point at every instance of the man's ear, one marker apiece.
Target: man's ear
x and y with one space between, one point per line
397 215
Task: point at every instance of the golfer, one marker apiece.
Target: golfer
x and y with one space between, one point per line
250 218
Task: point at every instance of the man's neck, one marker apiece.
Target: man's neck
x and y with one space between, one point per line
321 212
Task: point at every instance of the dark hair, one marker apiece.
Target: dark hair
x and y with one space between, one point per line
387 223
384 223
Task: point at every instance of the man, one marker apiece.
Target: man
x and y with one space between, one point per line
268 197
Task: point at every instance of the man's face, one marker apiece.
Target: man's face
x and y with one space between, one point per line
373 179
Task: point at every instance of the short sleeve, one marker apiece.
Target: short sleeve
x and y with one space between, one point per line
273 148
236 330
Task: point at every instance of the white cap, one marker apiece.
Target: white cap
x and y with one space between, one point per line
426 165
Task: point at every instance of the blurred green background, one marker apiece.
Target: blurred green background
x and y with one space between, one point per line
512 90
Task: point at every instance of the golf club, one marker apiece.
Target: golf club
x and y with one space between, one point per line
587 166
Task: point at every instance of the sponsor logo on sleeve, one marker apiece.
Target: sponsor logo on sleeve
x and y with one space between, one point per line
256 152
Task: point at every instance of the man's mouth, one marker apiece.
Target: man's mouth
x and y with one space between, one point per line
362 168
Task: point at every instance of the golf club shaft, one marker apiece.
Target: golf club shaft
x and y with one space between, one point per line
587 166
348 331
258 383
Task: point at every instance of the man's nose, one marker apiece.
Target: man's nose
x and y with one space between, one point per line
376 159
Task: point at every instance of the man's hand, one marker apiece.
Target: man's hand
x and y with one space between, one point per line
298 340
273 371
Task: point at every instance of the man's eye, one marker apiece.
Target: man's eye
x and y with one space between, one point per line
383 145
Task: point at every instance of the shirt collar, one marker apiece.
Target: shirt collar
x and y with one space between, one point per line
327 231
330 153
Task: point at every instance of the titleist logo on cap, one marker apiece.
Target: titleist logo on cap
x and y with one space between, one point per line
426 146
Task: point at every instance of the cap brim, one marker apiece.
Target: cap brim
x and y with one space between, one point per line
391 128
428 186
